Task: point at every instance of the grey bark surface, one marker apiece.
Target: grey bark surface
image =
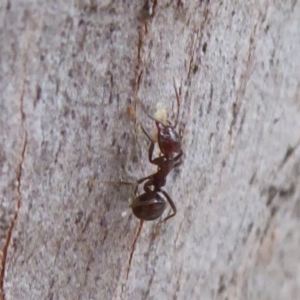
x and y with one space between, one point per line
73 77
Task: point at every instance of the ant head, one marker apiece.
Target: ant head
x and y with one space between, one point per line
169 140
148 206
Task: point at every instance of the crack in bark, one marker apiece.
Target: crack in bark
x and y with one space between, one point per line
131 255
199 36
147 13
289 153
133 248
5 248
193 50
18 201
177 286
154 264
137 80
236 106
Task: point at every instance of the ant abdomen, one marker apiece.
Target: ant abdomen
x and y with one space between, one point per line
148 207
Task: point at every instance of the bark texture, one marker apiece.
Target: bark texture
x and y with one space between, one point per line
73 77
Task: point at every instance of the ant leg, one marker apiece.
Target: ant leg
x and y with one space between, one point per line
125 183
156 161
176 158
150 152
143 179
119 182
145 111
159 160
153 161
147 134
178 102
147 186
177 164
172 206
181 132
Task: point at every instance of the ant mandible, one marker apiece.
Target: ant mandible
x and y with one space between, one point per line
151 205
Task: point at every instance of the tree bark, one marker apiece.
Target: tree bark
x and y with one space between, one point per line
74 78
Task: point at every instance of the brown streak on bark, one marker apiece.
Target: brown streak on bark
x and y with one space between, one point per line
289 153
133 248
14 218
177 287
18 201
199 40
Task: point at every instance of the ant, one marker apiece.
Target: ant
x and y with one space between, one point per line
151 205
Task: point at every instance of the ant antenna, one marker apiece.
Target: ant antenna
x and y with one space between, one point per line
177 94
119 182
151 117
178 102
125 183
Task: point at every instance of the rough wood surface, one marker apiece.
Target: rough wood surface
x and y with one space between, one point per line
73 75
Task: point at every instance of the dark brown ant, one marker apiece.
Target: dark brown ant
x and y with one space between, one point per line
151 205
